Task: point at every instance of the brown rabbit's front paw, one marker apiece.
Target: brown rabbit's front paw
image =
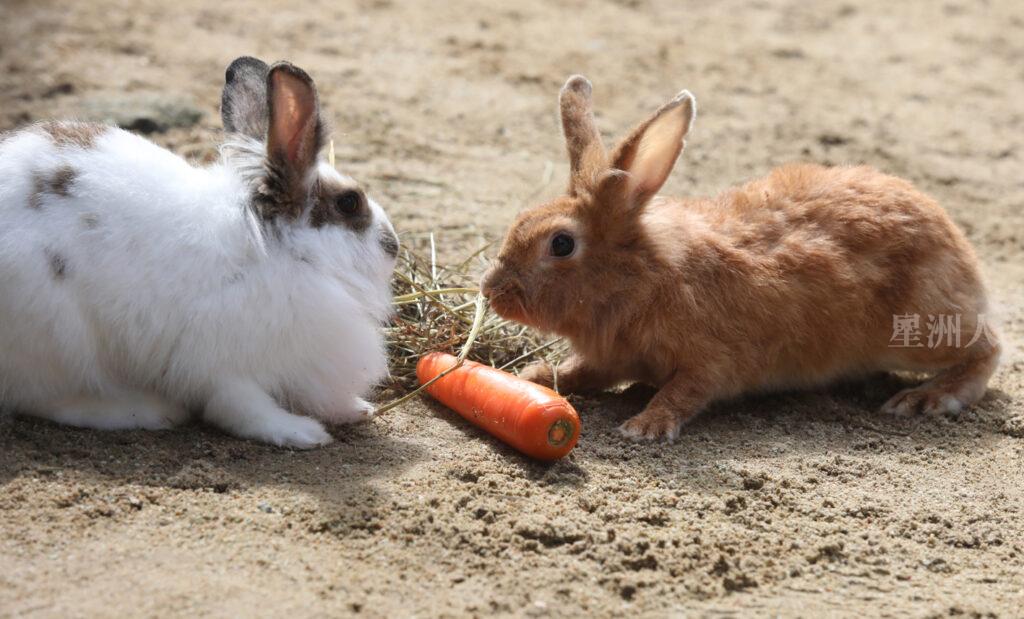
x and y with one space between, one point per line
539 373
925 400
653 424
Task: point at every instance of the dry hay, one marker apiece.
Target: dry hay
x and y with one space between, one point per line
435 310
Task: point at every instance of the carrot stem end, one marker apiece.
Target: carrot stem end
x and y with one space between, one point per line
560 433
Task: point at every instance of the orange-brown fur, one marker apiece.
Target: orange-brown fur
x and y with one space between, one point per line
791 280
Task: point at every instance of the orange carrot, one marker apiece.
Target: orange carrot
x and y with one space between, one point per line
533 419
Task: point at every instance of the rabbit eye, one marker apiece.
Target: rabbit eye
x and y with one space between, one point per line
562 245
340 206
349 202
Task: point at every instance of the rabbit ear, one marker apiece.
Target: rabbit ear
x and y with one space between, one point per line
295 135
650 152
243 104
586 153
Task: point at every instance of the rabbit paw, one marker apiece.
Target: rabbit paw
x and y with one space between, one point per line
539 373
354 412
652 424
296 432
923 399
363 410
244 409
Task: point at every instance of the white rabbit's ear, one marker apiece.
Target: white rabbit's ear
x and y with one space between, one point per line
243 104
295 135
650 152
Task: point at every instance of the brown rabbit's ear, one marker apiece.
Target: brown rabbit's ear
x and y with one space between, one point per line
587 157
650 152
295 133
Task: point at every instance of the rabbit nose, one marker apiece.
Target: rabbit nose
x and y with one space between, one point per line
389 242
489 283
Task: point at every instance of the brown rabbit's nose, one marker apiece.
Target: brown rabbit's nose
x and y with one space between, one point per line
493 281
487 284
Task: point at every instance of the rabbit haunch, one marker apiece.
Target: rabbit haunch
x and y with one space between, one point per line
794 280
135 287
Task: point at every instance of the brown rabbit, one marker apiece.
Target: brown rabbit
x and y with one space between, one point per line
789 281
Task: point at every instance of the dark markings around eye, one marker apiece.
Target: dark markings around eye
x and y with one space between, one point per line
338 205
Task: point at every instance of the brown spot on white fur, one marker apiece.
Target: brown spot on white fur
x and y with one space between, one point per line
35 199
58 264
90 220
58 183
78 134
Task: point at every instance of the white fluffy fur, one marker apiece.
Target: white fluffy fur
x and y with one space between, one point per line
172 300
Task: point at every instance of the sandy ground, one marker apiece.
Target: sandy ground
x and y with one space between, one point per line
795 504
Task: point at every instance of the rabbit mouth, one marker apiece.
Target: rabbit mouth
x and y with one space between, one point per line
509 306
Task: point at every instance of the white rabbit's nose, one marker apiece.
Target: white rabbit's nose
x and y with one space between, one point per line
389 241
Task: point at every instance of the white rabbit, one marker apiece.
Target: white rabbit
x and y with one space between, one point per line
135 287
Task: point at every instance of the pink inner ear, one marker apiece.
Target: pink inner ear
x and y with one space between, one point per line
657 151
294 114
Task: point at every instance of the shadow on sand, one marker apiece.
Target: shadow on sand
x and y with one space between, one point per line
840 420
196 457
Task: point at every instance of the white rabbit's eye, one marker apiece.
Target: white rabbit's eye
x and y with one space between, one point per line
562 245
341 206
349 202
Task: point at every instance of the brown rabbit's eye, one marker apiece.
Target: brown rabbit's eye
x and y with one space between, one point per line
562 245
349 202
